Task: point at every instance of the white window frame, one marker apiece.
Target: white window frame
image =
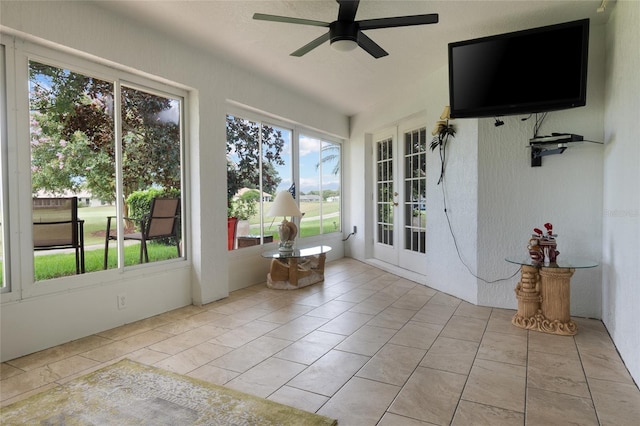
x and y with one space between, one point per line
18 53
252 114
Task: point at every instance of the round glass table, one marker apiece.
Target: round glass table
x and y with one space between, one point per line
296 269
544 294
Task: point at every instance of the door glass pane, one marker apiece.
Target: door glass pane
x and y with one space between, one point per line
385 196
72 155
415 191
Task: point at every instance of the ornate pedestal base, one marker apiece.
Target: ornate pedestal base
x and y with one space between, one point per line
544 296
296 272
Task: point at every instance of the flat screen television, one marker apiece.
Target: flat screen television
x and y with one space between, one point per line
535 70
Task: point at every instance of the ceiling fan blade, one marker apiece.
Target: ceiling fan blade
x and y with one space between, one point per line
312 45
370 46
289 20
348 9
398 21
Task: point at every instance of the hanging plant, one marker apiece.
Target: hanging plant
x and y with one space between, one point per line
441 133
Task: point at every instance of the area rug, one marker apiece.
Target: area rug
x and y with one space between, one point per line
130 393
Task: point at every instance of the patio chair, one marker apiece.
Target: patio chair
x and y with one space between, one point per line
56 226
161 222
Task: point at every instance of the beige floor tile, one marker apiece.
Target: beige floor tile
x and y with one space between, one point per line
392 364
188 339
509 348
329 373
616 403
466 309
500 322
57 353
551 408
553 344
192 358
310 348
356 295
416 334
390 419
471 413
497 384
374 305
212 374
130 344
273 346
392 317
605 365
367 340
435 313
412 301
266 377
7 370
299 398
331 309
557 373
349 406
444 299
451 355
241 335
464 328
429 395
286 314
298 328
25 382
346 323
253 353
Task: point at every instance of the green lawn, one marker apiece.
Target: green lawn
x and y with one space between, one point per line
95 224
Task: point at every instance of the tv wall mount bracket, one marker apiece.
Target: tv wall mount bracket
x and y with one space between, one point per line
541 146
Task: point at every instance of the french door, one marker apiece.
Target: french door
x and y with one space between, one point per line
400 204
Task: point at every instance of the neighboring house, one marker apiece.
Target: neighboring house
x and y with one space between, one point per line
265 196
311 198
85 199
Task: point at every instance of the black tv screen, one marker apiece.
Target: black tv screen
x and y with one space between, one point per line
536 70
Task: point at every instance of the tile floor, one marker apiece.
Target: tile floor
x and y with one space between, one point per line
367 348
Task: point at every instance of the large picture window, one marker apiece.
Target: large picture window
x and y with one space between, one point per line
319 186
113 171
263 159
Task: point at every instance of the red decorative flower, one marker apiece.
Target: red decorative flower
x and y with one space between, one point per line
537 231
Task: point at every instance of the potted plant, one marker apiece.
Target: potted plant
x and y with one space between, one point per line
441 133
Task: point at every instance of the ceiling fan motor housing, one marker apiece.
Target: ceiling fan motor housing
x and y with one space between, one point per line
343 30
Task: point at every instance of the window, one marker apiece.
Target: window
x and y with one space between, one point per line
319 186
114 167
258 166
262 158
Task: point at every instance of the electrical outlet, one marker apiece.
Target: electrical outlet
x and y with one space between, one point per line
355 229
122 301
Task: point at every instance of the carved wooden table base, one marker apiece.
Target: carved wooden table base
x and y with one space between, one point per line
544 299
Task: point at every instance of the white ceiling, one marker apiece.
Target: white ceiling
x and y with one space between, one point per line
352 81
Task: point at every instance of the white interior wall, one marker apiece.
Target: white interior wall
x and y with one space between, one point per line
32 324
621 222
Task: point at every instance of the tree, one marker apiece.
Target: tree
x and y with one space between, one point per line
244 139
331 153
73 135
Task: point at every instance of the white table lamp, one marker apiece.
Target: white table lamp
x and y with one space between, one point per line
285 205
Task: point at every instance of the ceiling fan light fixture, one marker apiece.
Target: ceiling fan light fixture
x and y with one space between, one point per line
345 45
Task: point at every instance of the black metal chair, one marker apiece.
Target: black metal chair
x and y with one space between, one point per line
56 226
162 222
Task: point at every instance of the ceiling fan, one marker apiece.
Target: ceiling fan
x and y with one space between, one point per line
345 33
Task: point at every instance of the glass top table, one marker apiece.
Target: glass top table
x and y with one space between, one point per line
544 294
573 263
296 269
297 253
